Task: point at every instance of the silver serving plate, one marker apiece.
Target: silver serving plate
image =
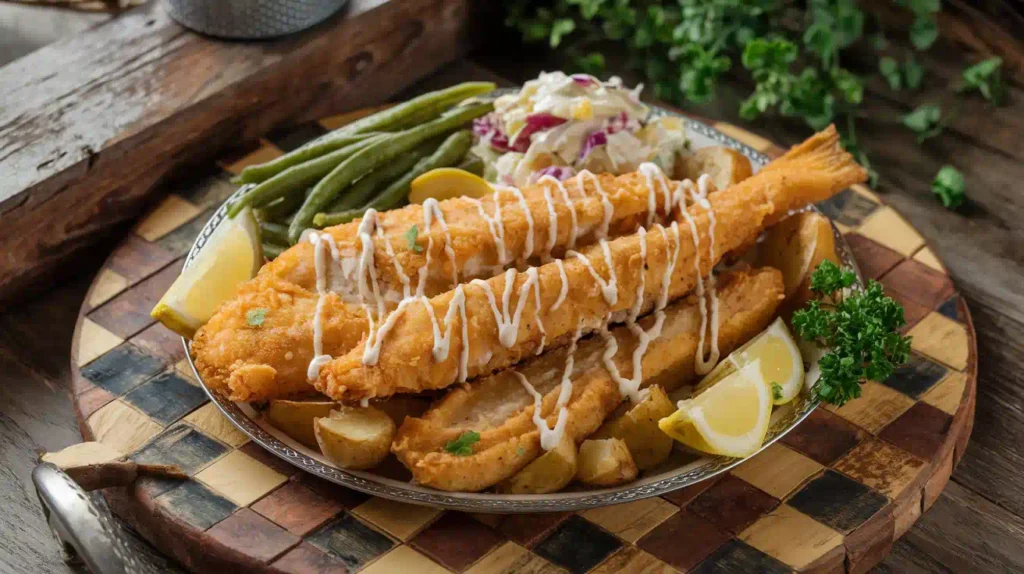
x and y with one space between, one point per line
681 470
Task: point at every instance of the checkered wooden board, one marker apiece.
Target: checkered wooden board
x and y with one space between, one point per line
832 495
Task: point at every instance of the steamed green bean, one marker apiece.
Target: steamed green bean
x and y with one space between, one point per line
449 154
378 153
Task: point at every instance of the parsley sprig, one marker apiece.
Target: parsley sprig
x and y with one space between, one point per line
860 329
463 446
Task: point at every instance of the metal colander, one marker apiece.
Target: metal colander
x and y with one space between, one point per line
251 19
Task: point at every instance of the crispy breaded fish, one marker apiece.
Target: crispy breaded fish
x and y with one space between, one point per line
501 409
480 238
486 329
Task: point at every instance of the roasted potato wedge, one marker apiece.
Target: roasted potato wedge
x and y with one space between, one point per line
605 462
550 472
638 427
295 418
796 246
726 166
355 437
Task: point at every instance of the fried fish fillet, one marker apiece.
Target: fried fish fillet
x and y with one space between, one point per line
501 410
248 363
486 329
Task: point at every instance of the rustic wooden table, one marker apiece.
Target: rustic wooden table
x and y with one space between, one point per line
977 523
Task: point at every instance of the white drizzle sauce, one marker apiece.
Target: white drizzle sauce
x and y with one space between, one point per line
528 247
609 288
609 209
552 217
565 285
551 436
508 324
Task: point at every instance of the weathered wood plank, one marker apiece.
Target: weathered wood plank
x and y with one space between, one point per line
89 126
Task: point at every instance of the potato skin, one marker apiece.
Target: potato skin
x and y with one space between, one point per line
354 437
605 462
295 418
550 472
796 246
726 166
638 428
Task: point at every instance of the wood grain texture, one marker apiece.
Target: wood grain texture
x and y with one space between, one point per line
90 125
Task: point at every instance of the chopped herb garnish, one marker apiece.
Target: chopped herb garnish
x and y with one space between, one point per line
520 451
462 446
410 237
859 328
949 186
776 391
255 317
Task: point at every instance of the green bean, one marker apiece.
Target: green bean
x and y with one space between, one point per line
312 150
363 190
297 178
377 154
439 100
450 152
272 250
278 210
472 163
409 114
274 233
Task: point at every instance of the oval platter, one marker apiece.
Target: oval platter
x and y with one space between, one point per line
687 469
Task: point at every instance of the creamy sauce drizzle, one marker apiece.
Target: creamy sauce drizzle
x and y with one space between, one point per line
508 323
507 320
609 287
609 209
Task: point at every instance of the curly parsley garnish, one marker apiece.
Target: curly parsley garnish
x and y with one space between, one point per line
462 446
860 329
255 317
411 236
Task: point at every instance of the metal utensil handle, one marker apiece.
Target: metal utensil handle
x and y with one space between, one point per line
85 533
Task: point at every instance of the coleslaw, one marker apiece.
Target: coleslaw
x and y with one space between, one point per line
560 124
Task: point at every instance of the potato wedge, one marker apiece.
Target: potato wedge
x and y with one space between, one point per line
605 462
295 418
726 166
550 472
796 246
638 427
355 437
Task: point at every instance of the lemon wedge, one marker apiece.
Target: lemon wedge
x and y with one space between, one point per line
232 255
447 182
780 360
730 418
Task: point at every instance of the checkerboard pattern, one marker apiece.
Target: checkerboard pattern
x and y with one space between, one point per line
833 494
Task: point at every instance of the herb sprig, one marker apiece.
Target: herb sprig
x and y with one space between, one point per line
463 446
860 329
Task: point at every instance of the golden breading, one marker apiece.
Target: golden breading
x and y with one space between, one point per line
501 410
605 281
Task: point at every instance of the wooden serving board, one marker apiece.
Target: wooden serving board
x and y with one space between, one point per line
832 495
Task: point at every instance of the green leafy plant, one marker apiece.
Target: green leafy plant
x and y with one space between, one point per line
795 63
987 78
859 329
925 121
949 187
